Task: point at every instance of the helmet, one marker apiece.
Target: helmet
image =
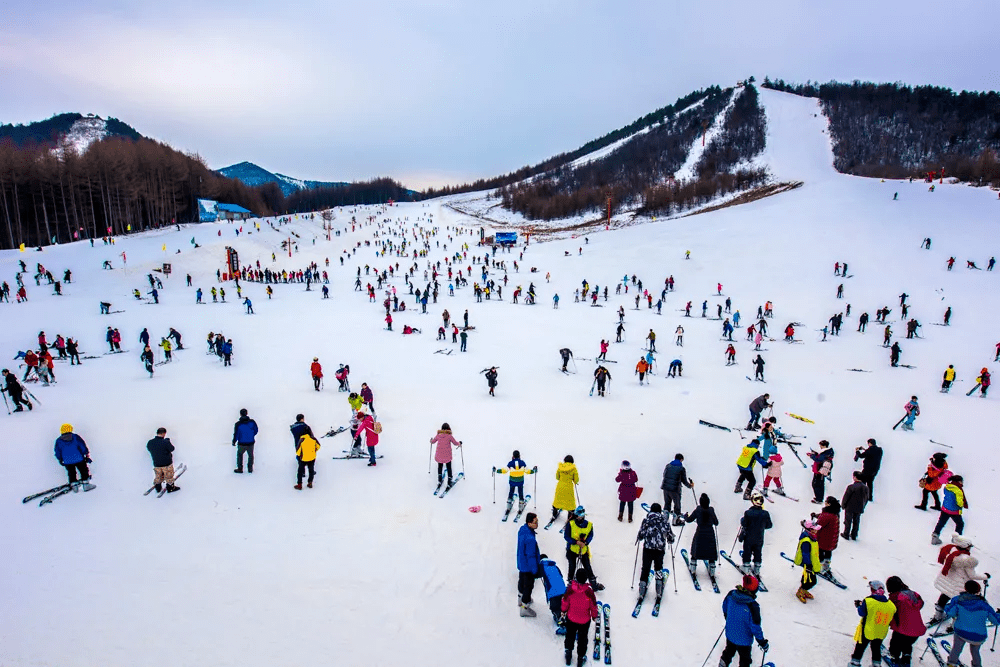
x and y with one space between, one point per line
579 512
757 498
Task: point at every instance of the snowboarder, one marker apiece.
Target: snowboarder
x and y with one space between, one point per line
655 534
491 379
821 468
627 491
876 612
675 476
703 545
161 451
528 562
567 478
753 523
244 435
72 453
443 441
742 614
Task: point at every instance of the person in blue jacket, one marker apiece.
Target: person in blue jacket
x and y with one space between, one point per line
971 612
528 563
72 453
244 433
742 622
227 352
555 586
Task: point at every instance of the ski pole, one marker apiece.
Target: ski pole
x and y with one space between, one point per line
576 488
430 452
735 540
494 485
993 648
636 564
6 405
462 452
673 567
713 647
763 655
535 473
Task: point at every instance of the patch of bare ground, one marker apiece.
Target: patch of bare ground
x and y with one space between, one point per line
751 196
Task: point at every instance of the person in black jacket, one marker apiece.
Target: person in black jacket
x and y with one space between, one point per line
15 391
491 379
298 429
674 475
161 450
872 463
854 501
752 526
704 546
147 358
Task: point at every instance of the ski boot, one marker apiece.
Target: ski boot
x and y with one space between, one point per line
172 487
596 585
747 493
935 539
158 487
857 663
801 595
526 610
679 520
660 582
824 566
763 492
778 490
739 487
581 660
569 656
643 585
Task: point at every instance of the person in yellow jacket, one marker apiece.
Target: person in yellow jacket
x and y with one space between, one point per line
807 555
167 349
567 478
355 402
306 456
876 613
949 377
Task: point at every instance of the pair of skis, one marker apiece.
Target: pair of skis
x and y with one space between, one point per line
442 489
656 601
181 469
760 584
822 575
694 577
49 495
350 454
520 509
932 645
603 613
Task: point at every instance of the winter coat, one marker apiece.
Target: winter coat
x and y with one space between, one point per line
299 429
642 366
855 498
71 449
674 475
444 441
528 557
30 359
703 546
655 531
753 524
316 369
368 426
491 378
227 348
907 620
579 603
750 455
160 449
627 480
366 394
872 457
566 477
954 499
963 569
971 612
829 530
758 405
552 579
774 470
742 615
356 402
822 461
767 446
933 480
308 446
244 431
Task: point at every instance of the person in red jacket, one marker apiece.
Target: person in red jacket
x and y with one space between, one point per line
829 532
367 426
317 373
579 605
907 625
31 361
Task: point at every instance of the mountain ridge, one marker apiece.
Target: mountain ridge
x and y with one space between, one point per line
253 175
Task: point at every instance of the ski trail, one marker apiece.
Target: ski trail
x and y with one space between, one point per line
686 172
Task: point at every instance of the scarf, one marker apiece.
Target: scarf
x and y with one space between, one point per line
948 554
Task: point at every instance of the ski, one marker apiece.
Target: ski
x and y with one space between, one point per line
946 645
715 584
354 456
334 431
710 424
552 520
858 370
932 645
180 468
795 451
942 444
458 478
694 578
521 506
506 514
597 633
786 496
607 633
440 485
800 418
761 586
28 499
181 471
52 496
638 603
827 575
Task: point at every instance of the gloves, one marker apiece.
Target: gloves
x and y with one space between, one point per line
763 645
89 460
670 538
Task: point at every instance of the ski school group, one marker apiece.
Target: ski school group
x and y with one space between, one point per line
961 611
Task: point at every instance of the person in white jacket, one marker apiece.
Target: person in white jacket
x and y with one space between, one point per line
958 566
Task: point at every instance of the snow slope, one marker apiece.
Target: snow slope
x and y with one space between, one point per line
369 567
82 133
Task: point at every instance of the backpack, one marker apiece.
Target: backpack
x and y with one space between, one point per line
377 427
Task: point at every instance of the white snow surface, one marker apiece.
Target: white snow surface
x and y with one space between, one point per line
368 567
686 172
82 133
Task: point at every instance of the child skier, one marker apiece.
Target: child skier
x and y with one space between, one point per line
516 469
443 442
627 490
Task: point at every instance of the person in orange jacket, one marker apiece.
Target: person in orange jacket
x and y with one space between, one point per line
641 368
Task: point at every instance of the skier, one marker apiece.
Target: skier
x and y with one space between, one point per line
703 545
753 523
567 478
854 502
244 435
807 555
249 304
674 476
948 379
821 468
840 291
748 456
947 316
579 605
619 330
912 412
177 337
774 474
951 507
742 614
862 322
971 612
491 379
305 454
789 333
907 625
167 349
72 453
757 406
627 492
516 470
555 587
147 358
888 337
876 612
951 263
161 451
871 457
759 365
679 336
579 532
15 390
528 562
601 376
443 442
227 353
958 567
676 368
730 355
640 369
566 355
316 370
983 382
652 340
937 475
342 373
655 534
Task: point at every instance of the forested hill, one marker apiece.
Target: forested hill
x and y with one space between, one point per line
49 132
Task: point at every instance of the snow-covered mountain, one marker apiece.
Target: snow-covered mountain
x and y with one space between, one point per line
68 131
253 175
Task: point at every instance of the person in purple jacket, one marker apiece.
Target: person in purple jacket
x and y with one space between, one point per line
368 399
627 492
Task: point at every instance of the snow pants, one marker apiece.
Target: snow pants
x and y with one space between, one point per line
72 468
577 632
517 487
671 499
242 449
525 584
303 466
901 648
818 486
876 644
731 650
943 519
956 651
584 559
651 557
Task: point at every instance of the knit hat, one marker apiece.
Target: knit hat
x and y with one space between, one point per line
579 512
877 587
626 464
811 526
66 428
961 542
750 583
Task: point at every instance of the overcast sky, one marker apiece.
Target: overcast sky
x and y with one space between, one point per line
437 92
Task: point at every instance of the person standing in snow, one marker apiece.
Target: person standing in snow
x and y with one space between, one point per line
952 507
443 442
774 474
807 554
703 545
601 376
821 468
567 477
316 370
604 350
147 358
947 379
894 353
579 532
627 492
828 532
854 502
371 430
759 365
679 336
757 406
912 409
742 614
566 355
936 476
640 369
655 534
305 454
161 451
871 457
876 612
491 379
747 458
971 612
753 523
516 469
72 453
244 434
907 625
528 563
983 381
674 477
958 566
579 604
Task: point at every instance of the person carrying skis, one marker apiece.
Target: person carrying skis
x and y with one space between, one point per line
807 555
579 532
876 612
753 523
641 368
758 406
566 355
72 453
316 370
567 477
742 614
674 476
958 566
676 368
161 451
655 534
907 625
579 606
821 468
952 507
983 382
703 545
759 365
971 612
491 379
443 442
627 491
601 375
528 563
948 379
912 409
555 587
